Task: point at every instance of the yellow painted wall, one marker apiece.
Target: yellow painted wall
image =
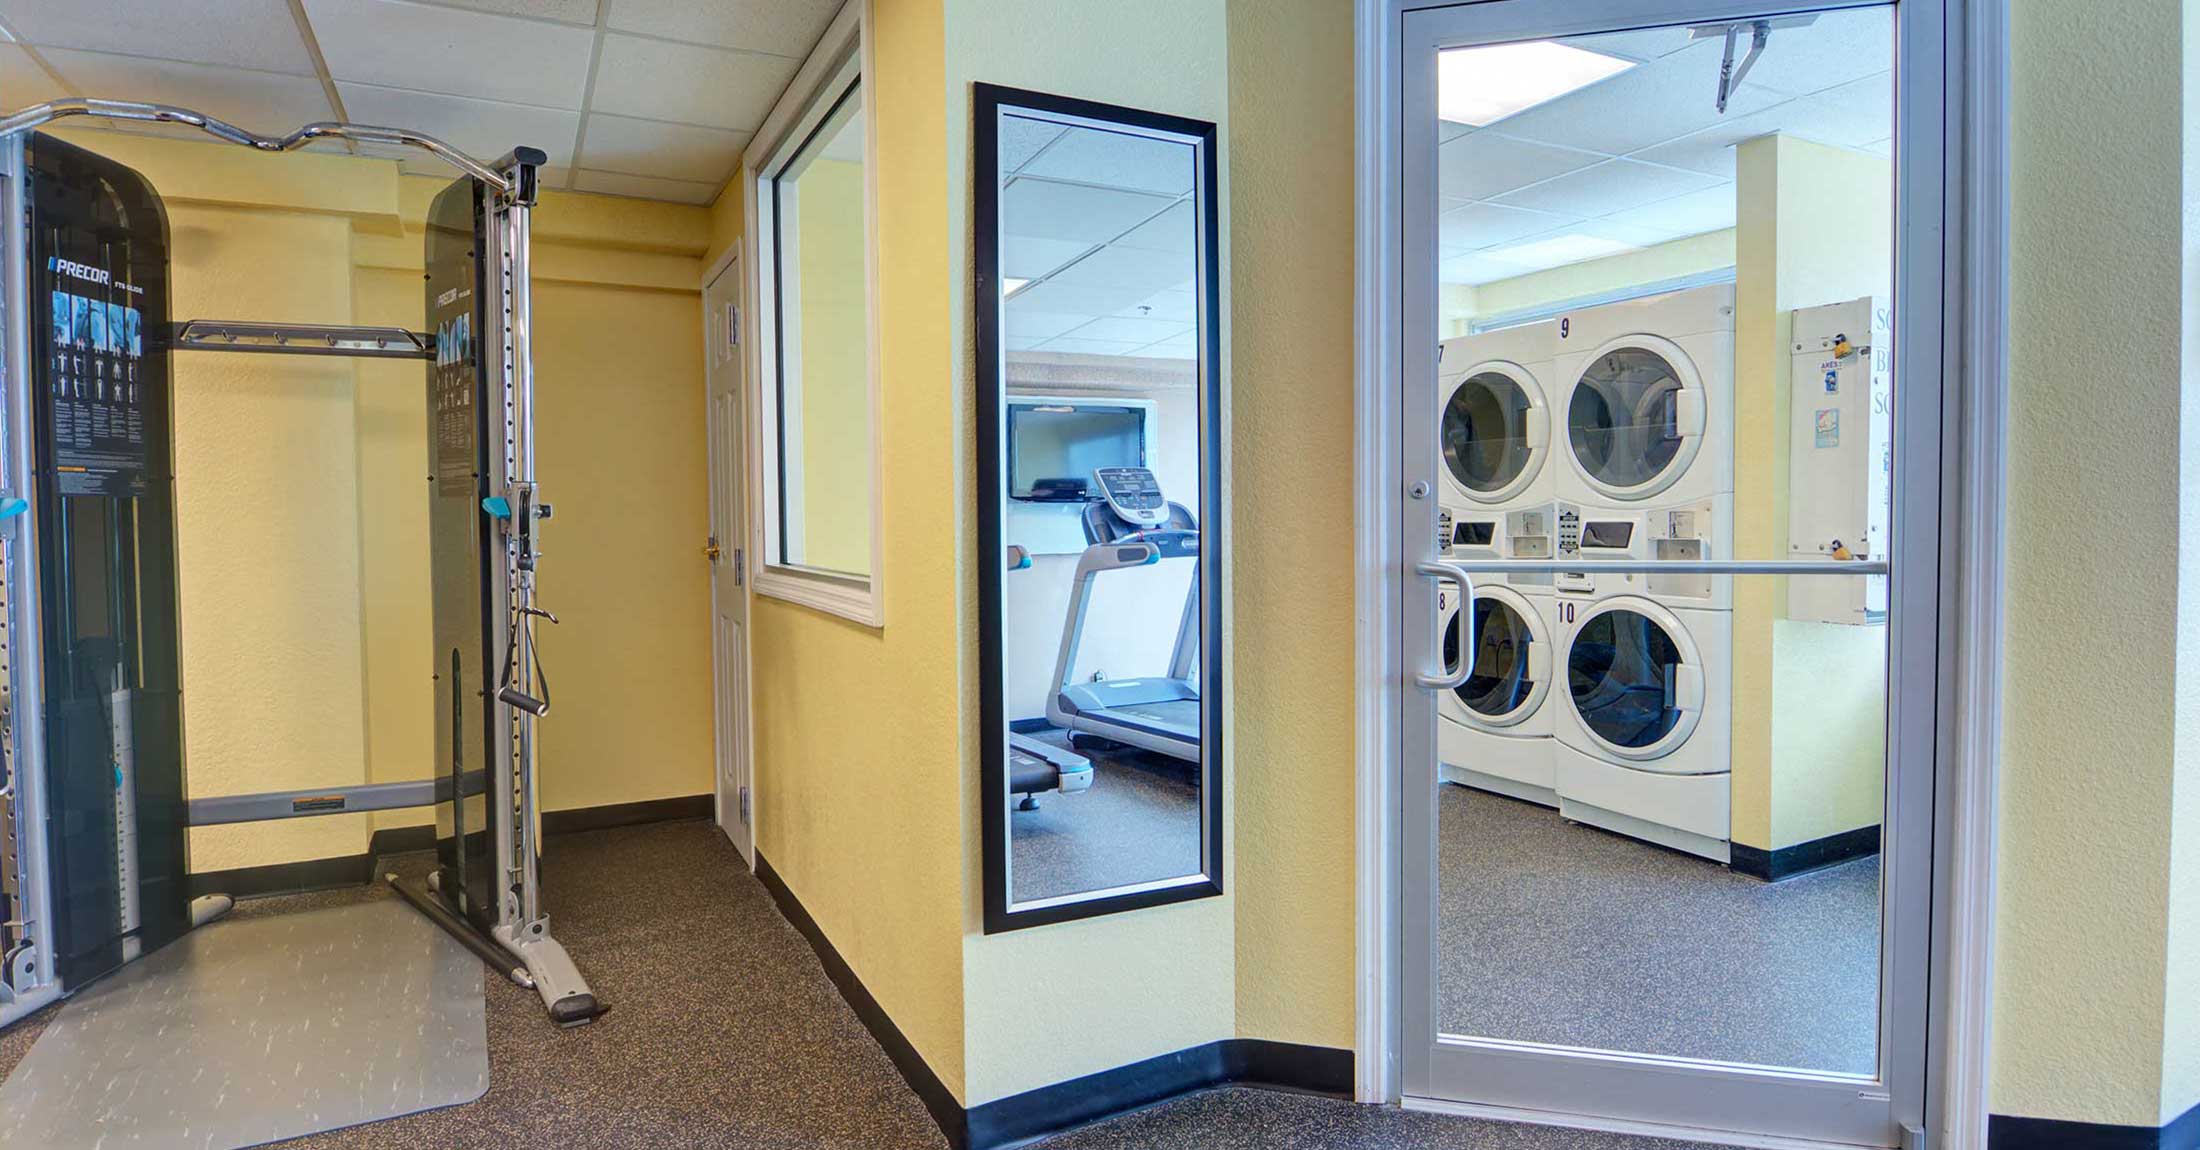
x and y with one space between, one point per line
303 529
1157 980
2090 706
861 756
835 385
1291 339
1814 226
1688 255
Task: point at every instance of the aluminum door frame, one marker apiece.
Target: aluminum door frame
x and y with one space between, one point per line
1603 1088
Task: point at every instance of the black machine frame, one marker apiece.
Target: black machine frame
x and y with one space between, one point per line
508 928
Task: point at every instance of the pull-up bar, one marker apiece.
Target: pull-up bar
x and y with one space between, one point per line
51 110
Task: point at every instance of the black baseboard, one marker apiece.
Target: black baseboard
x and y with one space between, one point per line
1803 858
1050 1109
358 869
2004 1132
935 1095
670 810
313 874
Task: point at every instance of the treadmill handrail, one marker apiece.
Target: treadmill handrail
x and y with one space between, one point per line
40 114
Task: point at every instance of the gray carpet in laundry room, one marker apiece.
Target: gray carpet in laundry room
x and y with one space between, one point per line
1549 931
726 1033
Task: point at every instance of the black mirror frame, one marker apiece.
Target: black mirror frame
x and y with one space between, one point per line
988 101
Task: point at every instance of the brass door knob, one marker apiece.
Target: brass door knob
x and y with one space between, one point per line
710 552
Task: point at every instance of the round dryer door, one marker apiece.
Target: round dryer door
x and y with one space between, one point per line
1511 668
1634 679
1495 431
1635 418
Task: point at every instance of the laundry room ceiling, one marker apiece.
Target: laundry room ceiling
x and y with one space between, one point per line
1645 156
646 98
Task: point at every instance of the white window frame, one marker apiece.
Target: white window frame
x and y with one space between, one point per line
842 58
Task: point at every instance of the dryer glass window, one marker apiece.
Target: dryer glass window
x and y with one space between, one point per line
1500 684
1622 672
1624 419
1485 431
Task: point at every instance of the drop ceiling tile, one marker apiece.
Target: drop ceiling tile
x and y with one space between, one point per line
643 187
434 49
714 87
781 27
1021 137
1030 323
1022 342
262 102
1181 306
564 11
1181 347
1836 48
1643 44
1137 331
1446 131
1476 268
1848 116
483 129
1117 160
1043 208
1029 257
1692 214
1880 147
1635 234
669 151
1612 186
1118 266
1087 300
1171 231
256 34
1478 225
1485 164
1090 346
1646 105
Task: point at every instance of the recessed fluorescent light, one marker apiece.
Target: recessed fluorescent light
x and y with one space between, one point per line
1481 86
1558 251
1011 286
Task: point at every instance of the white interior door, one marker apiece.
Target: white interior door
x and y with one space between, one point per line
723 550
1670 949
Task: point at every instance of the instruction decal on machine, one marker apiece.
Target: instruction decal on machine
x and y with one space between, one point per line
98 409
453 392
1829 427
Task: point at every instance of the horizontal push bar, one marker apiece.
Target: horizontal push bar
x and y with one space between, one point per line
221 809
40 114
1669 566
304 339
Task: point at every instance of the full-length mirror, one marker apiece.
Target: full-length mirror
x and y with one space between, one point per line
1097 491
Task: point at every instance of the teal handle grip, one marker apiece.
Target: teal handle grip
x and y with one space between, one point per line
498 507
12 507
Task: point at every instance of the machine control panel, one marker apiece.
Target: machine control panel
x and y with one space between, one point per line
1134 494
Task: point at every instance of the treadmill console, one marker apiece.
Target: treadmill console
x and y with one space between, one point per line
1134 495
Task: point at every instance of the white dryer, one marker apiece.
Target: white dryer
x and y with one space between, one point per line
1495 730
1644 726
1646 399
1494 420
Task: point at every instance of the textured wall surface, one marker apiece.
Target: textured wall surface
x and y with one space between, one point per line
2088 692
860 756
1291 199
1150 981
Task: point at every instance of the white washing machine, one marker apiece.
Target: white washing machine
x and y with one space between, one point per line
1494 392
1646 398
1495 730
1644 725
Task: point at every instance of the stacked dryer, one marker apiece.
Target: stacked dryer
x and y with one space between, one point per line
1645 425
1496 445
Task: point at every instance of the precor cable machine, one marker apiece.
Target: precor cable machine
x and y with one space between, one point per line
92 846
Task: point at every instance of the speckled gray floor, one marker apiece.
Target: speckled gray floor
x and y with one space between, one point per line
1554 932
725 1033
1139 821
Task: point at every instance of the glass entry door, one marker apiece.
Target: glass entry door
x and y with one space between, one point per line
1691 887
